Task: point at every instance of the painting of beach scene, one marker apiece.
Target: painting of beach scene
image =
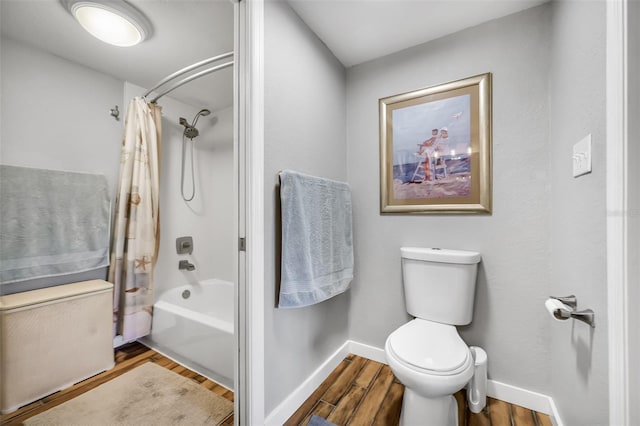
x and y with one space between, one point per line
432 149
435 149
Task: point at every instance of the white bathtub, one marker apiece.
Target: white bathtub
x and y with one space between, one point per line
197 330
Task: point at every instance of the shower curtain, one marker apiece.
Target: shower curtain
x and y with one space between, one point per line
136 233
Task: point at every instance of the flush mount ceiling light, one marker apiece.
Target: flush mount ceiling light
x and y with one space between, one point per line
113 21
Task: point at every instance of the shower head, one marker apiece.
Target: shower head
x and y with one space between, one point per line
200 113
190 130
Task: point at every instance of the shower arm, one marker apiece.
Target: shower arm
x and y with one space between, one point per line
188 69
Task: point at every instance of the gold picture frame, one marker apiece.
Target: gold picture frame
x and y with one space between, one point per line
435 149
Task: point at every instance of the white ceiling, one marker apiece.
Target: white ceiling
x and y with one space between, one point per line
187 31
357 31
184 32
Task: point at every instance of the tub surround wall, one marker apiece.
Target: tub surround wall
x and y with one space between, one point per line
305 131
509 319
209 216
579 361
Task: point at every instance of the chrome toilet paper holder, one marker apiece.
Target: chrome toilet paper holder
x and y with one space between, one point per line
585 315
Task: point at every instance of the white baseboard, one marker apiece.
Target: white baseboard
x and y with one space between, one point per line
554 413
502 391
366 351
289 406
525 398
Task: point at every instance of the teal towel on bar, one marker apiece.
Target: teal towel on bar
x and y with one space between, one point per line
317 239
52 223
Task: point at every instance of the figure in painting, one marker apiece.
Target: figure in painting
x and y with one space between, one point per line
441 148
426 149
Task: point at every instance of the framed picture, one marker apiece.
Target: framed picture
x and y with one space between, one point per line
435 149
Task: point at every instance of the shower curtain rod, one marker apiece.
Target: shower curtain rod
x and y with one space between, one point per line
191 77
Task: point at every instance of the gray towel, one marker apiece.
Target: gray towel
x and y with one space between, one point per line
52 223
317 241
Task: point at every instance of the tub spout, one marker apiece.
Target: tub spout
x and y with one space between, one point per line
184 264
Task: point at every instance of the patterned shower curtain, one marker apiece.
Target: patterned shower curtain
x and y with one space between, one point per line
136 231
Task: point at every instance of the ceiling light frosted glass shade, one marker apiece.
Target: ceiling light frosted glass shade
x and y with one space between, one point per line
112 21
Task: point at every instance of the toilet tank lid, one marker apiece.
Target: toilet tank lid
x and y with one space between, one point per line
441 255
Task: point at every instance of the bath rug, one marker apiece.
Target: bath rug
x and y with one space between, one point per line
146 395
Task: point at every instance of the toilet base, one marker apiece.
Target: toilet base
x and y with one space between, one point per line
419 410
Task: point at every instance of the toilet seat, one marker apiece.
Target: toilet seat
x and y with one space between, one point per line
430 348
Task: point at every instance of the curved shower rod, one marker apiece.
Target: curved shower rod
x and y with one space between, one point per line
191 77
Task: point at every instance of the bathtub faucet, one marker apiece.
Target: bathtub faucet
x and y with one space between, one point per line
184 264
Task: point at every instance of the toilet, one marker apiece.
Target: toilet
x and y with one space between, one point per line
427 354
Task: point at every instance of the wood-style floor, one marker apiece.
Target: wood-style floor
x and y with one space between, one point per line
127 358
358 392
364 392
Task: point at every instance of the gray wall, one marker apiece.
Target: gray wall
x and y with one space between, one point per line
55 114
578 239
510 321
304 131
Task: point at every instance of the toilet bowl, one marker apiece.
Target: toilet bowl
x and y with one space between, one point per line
429 357
433 363
427 354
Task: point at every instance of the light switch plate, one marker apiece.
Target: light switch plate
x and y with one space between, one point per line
582 157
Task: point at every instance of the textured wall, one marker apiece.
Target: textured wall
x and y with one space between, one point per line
55 114
578 233
304 131
510 321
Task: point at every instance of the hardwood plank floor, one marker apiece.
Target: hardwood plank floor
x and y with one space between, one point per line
364 392
127 358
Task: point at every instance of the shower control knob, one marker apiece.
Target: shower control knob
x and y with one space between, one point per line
184 245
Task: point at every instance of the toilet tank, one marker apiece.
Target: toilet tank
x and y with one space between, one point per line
440 284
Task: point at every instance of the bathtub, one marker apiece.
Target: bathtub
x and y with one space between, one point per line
193 324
